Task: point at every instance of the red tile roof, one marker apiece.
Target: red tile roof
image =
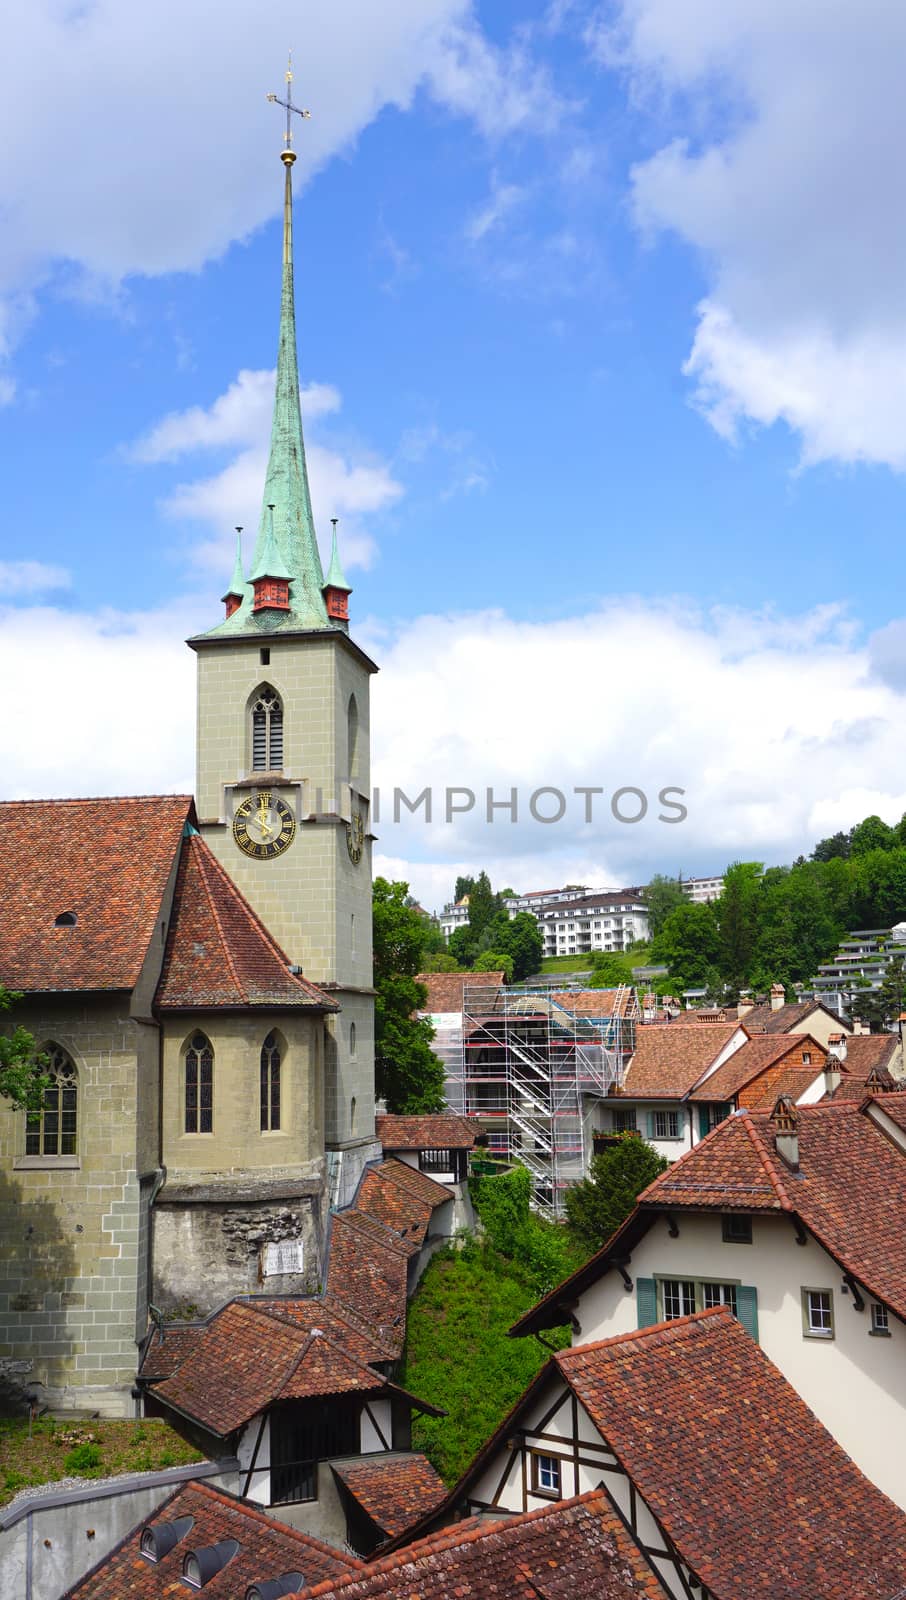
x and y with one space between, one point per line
267 1549
442 1132
219 953
245 1360
849 1191
756 1495
167 1349
394 1490
865 1051
670 1057
755 1057
761 1019
445 988
107 862
369 1274
574 1548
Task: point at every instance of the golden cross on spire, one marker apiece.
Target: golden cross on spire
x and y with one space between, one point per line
289 107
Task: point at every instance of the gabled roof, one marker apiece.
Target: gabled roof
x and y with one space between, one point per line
369 1275
597 1002
267 1549
245 1359
393 1489
867 1051
670 1057
761 1019
437 1132
756 1495
107 862
755 1056
384 1196
218 951
574 1548
445 988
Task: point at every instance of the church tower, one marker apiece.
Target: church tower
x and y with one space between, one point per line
283 779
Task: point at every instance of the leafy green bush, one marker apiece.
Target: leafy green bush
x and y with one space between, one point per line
544 1250
84 1458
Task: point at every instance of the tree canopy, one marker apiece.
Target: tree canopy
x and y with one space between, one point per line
408 1075
597 1205
22 1076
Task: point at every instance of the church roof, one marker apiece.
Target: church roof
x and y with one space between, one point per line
106 864
218 951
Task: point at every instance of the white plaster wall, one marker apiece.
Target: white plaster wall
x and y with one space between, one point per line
259 1490
855 1383
370 1440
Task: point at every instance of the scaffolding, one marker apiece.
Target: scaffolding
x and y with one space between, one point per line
527 1066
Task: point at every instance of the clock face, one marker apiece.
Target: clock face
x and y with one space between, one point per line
355 837
263 827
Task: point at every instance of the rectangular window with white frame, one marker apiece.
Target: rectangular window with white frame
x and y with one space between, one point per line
546 1475
666 1125
880 1320
818 1313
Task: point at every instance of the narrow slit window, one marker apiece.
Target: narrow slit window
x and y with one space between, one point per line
270 1084
199 1085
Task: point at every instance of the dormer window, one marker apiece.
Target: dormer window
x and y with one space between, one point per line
200 1566
159 1538
275 1588
66 919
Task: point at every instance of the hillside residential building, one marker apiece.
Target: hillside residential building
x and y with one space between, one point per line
455 915
604 920
701 890
793 1220
859 966
719 1471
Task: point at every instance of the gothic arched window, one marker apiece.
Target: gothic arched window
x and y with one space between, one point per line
270 1084
267 730
52 1130
199 1085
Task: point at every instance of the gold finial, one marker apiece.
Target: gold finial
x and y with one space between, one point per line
288 154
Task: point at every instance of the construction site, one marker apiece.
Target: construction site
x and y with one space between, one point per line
531 1065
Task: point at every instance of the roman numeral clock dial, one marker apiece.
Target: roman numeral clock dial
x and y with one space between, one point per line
263 827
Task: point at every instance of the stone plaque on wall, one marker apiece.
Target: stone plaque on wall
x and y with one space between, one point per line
284 1256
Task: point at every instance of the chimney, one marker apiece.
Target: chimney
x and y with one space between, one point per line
778 996
785 1122
745 1004
832 1075
836 1044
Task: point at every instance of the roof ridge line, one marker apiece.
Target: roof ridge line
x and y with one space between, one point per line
639 1335
203 856
394 1239
764 1157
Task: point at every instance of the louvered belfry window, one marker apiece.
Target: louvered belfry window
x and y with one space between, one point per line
199 1085
270 1084
52 1130
267 731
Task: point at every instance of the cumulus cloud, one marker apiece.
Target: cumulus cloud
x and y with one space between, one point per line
480 701
783 171
350 483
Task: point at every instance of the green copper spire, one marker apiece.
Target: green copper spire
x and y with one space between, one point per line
269 562
286 537
335 576
237 582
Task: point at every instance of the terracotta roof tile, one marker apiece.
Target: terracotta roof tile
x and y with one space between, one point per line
850 1189
865 1051
218 951
341 1327
267 1549
441 1132
369 1275
246 1359
167 1349
107 862
390 1202
597 1002
757 1496
394 1490
670 1057
445 988
576 1547
754 1058
761 1019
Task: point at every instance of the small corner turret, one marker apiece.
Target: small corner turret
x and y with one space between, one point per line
270 576
336 590
234 595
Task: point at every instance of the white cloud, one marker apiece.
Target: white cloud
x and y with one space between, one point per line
348 483
503 199
480 700
32 577
785 175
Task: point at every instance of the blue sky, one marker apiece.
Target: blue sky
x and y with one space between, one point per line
602 323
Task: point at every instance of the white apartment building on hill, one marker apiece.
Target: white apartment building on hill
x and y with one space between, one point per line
701 890
608 919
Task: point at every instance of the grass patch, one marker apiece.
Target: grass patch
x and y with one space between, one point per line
571 963
85 1450
458 1354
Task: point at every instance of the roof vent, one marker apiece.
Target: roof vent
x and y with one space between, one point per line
785 1122
200 1566
66 919
158 1538
274 1588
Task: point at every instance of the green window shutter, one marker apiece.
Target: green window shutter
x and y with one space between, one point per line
646 1301
704 1121
747 1309
651 1124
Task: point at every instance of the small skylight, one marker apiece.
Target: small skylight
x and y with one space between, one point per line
200 1566
66 919
158 1538
275 1588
